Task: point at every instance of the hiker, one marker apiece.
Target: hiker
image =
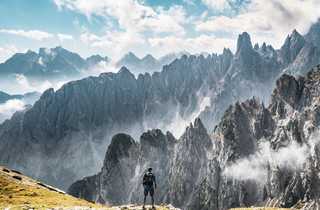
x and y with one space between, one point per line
148 180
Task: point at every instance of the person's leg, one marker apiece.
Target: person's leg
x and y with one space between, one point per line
152 198
145 196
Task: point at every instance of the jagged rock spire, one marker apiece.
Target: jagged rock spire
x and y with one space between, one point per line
244 42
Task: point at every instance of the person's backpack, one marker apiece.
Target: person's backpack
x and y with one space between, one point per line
148 178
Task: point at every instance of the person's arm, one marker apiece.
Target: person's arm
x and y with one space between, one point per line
143 179
154 180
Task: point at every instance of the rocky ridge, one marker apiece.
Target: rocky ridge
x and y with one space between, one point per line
231 167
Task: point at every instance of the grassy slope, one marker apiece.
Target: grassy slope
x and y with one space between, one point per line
28 192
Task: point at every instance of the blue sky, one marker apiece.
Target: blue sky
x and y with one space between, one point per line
159 27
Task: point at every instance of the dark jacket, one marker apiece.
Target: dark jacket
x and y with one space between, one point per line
149 179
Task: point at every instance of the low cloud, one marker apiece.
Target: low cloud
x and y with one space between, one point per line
202 43
7 51
101 67
19 84
255 167
8 108
178 124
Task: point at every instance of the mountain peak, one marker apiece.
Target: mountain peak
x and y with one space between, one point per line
30 52
125 72
119 146
244 42
95 59
264 47
149 57
131 55
292 46
226 51
295 35
57 48
295 32
97 56
198 124
196 127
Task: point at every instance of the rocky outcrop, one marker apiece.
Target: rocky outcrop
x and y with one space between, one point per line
292 46
176 162
305 51
257 155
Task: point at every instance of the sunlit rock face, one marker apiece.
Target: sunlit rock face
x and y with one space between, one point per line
256 156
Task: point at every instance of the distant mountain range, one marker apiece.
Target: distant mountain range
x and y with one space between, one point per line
147 63
58 63
64 135
48 63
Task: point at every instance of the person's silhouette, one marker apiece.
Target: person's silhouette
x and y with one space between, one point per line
149 184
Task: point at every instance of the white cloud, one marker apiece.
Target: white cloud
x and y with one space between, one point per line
7 51
8 108
64 37
90 38
159 31
202 43
132 15
134 21
37 34
31 34
267 20
114 41
217 4
189 2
